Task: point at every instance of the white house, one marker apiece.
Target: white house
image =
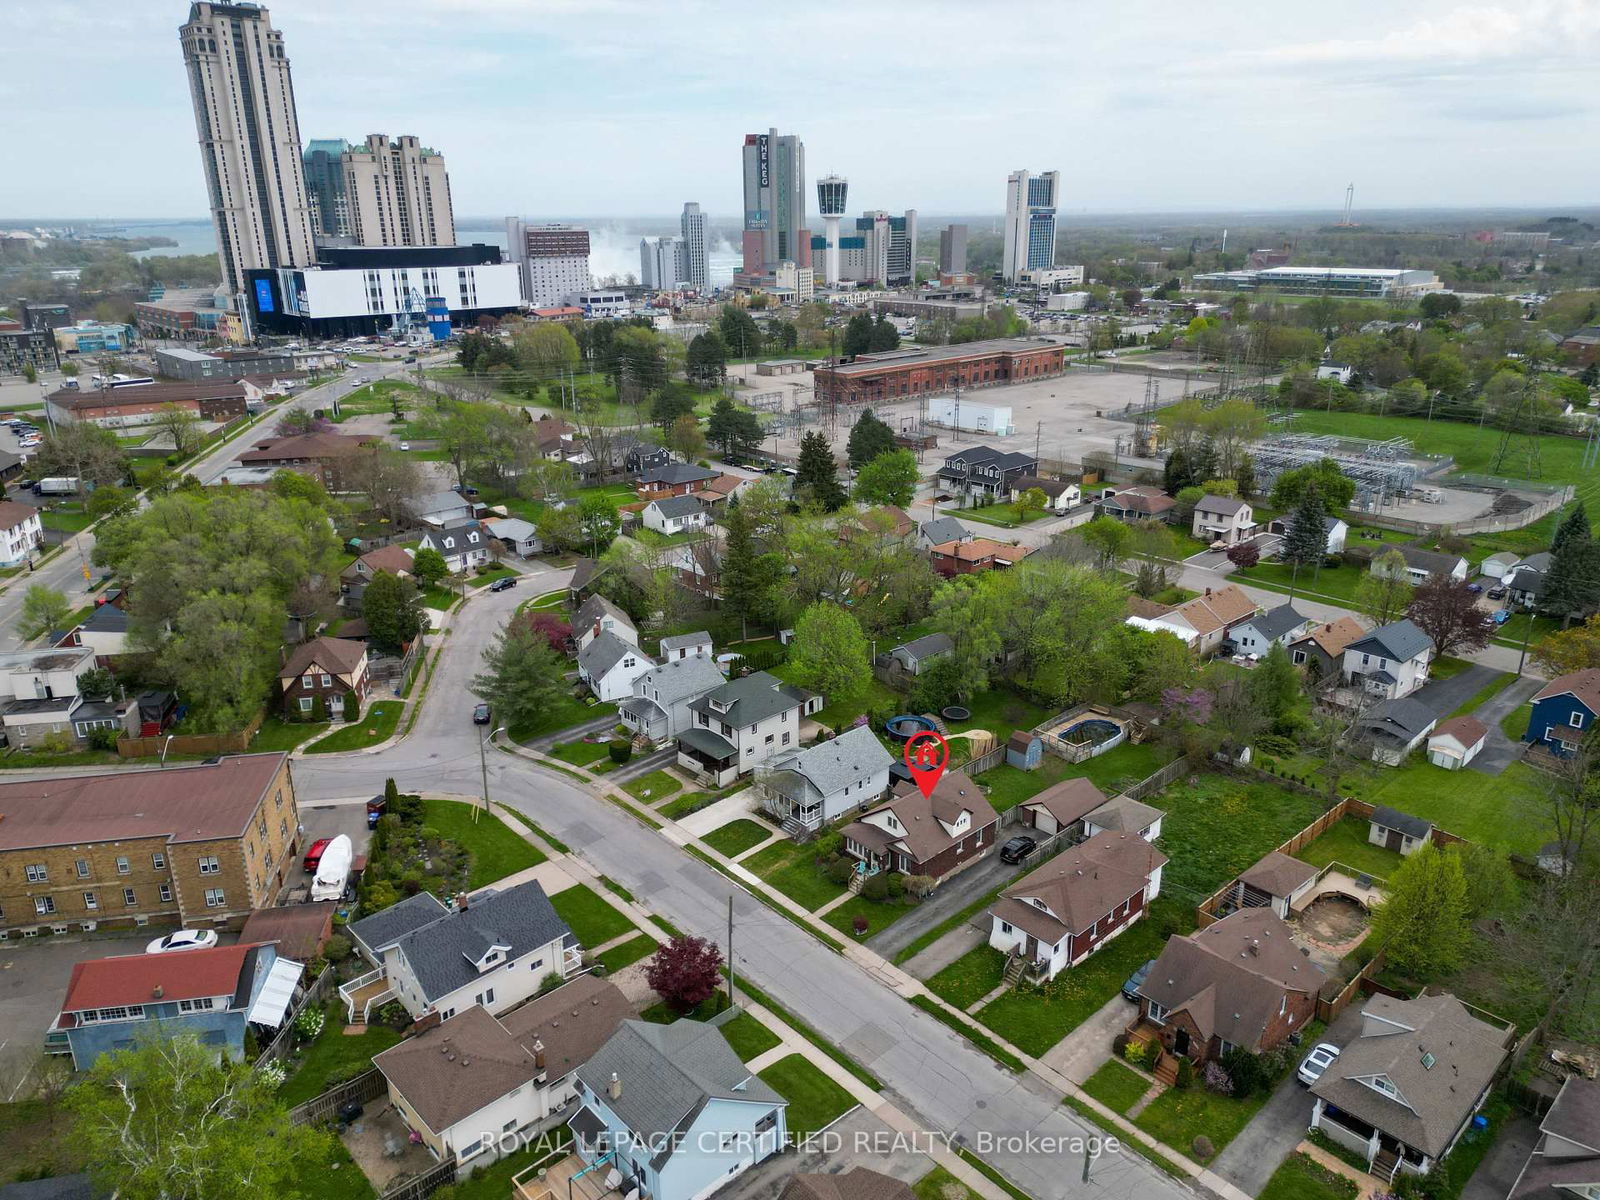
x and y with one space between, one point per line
822 783
1390 662
1499 565
597 615
916 654
40 694
1343 372
1422 565
476 1073
1223 519
493 949
609 665
686 645
1059 494
744 724
20 532
516 535
1276 627
658 709
1058 915
1338 532
1456 742
675 514
463 546
1124 814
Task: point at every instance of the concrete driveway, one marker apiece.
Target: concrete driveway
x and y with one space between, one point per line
1497 1173
1083 1051
947 900
1250 1159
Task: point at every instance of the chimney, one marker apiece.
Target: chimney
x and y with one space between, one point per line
538 1054
1255 946
597 627
158 993
461 902
614 1088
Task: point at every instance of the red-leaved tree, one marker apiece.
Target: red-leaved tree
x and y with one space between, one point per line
685 972
551 627
1244 555
1448 613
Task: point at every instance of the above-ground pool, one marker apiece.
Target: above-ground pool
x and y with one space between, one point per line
1090 731
906 726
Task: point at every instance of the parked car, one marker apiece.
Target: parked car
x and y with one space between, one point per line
1017 849
480 715
1502 616
405 445
375 809
1497 593
1474 588
183 939
1130 989
314 854
1315 1063
500 585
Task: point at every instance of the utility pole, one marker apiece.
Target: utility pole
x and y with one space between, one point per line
730 949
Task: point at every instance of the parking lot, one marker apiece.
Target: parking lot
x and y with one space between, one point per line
326 821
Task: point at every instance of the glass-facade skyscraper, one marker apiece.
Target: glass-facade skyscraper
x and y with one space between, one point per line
330 215
774 202
1030 241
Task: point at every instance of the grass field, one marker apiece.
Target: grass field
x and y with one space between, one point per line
736 837
657 785
1178 1117
748 1037
590 916
1110 772
628 953
878 915
332 1055
1303 1178
792 870
1117 1086
377 724
1347 843
278 734
1508 810
579 754
1219 825
497 850
815 1101
563 714
970 978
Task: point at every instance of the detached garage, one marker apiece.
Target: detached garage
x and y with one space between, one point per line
1456 742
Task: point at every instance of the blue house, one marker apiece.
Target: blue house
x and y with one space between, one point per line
213 994
1564 712
670 1110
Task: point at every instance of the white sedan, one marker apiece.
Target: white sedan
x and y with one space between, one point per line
1315 1063
183 939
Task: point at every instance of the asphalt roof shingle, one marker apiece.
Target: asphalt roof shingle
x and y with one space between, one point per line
1392 818
1400 640
520 918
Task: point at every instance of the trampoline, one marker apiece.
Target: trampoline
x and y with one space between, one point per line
907 726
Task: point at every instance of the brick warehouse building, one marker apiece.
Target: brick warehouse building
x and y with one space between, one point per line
922 370
203 845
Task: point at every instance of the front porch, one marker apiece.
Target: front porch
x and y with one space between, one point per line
569 1177
363 993
1386 1156
1164 1066
708 756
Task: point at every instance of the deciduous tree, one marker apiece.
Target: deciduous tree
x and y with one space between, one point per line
829 653
600 522
83 451
44 610
392 609
1335 490
889 479
1571 649
685 972
1110 540
1243 555
1449 614
1423 920
1384 592
686 439
428 565
181 427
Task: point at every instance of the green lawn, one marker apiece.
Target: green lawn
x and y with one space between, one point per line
939 1184
337 1176
1002 712
1178 1117
970 978
579 754
1117 1086
1506 810
1007 516
839 714
628 953
333 1056
377 724
738 836
485 578
1110 772
793 871
497 850
657 785
1220 825
590 916
1515 723
440 599
878 914
563 714
681 806
1489 689
815 1101
1347 843
1036 1018
749 1038
1301 1177
65 518
277 734
1336 584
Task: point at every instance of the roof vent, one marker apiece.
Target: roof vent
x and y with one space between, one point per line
158 992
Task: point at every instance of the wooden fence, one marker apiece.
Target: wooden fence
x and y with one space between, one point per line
1151 784
420 1187
1363 983
368 1085
985 762
235 742
279 1046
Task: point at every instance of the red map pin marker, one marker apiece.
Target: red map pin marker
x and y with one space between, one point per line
927 755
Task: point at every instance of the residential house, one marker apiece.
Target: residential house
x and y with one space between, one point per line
463 546
1565 1162
1398 831
201 844
809 789
608 665
1396 727
1499 565
10 466
984 472
1240 984
1403 1093
858 1183
1343 372
492 949
515 535
1124 814
658 709
476 1075
676 513
297 931
1136 504
974 555
1564 711
1223 519
20 532
1276 882
326 457
1456 742
743 724
941 530
1583 346
888 522
353 580
1528 579
1321 649
584 574
112 1003
1061 807
597 615
639 457
1338 532
554 437
717 492
1280 626
331 669
915 655
105 631
1060 494
1056 916
443 509
1390 662
673 1112
1423 565
676 647
41 696
935 835
1205 621
673 479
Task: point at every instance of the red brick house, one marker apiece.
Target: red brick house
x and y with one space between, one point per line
978 554
323 456
1239 984
333 668
935 835
673 479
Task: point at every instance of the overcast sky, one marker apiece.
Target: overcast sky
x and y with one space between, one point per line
630 107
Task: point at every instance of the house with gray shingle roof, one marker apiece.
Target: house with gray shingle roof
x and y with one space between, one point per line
822 783
1565 1163
916 654
609 665
675 514
1390 662
1278 626
492 949
658 709
1422 565
744 724
673 1112
1398 831
597 615
941 530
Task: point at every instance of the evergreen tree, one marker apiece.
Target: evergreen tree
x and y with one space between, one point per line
522 676
869 438
1307 540
1274 686
392 609
857 335
668 405
1176 473
1572 589
817 480
1203 463
735 431
706 361
750 578
1574 525
740 333
1245 476
884 336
